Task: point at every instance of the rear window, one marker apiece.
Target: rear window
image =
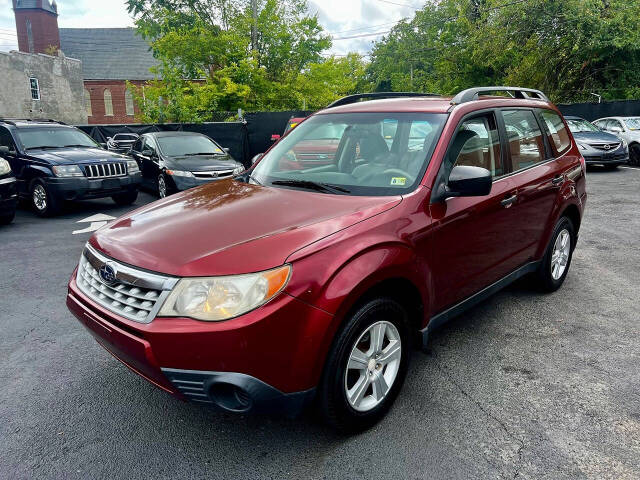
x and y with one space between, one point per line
558 135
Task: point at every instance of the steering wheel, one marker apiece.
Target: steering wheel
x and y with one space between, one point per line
389 171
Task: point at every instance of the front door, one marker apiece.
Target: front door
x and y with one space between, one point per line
472 236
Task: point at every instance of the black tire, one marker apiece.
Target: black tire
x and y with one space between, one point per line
634 154
7 218
546 280
167 190
126 198
332 395
42 201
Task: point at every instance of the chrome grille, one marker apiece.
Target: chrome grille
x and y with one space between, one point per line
213 174
134 294
608 147
105 170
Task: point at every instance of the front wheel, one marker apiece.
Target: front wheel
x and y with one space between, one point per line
125 199
557 259
44 203
163 187
366 366
634 154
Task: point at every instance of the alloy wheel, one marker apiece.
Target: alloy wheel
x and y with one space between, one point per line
40 197
560 255
162 187
373 366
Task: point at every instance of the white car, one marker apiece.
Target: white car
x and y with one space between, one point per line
626 128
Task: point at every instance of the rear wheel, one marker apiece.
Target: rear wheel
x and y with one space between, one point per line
366 366
125 199
43 202
557 259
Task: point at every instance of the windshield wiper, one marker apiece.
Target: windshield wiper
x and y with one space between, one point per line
320 187
79 145
43 147
202 153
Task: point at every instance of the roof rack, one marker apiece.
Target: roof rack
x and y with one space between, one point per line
377 95
516 92
11 121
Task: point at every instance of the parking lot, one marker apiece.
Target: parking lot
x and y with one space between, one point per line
522 386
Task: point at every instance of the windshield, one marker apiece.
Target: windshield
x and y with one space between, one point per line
353 153
578 126
185 145
633 123
57 137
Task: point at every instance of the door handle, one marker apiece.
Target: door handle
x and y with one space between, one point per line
507 202
557 180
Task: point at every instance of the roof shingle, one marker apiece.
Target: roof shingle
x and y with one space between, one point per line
109 53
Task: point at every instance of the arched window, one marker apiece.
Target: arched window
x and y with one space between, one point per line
87 102
108 103
128 102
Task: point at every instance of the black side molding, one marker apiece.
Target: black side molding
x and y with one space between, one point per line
443 317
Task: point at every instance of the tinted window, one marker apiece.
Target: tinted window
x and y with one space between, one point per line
558 135
179 146
477 144
138 145
57 137
6 140
526 145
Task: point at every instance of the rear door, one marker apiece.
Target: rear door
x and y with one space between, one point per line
473 236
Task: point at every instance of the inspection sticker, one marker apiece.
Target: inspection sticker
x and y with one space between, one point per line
398 180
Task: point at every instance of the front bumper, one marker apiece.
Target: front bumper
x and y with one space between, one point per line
77 188
8 195
185 183
596 157
263 361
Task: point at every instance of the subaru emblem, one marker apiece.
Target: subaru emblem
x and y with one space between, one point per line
107 274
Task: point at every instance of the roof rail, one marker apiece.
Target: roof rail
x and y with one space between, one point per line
377 95
12 120
471 94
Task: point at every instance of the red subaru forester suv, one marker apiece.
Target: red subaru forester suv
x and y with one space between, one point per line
285 285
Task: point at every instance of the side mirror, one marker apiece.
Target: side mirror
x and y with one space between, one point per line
616 129
467 181
275 137
256 158
226 149
103 145
147 152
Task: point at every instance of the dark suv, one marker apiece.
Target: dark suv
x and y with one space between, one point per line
292 282
54 162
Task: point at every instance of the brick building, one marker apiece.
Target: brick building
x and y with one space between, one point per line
110 57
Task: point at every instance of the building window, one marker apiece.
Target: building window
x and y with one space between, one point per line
35 88
87 102
128 101
108 103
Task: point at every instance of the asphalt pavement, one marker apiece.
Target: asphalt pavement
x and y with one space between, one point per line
523 386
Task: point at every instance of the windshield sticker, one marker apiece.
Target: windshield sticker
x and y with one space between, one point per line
399 181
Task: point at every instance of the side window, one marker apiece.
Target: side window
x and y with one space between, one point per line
477 144
137 147
558 136
615 126
6 140
150 143
526 144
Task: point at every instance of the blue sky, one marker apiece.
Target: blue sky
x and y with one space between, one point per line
341 18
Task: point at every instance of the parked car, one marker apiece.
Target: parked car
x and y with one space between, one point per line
121 142
627 129
175 161
54 162
8 194
267 290
596 146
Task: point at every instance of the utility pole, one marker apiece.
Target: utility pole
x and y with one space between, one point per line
254 26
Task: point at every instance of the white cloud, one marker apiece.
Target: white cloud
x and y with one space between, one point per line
358 19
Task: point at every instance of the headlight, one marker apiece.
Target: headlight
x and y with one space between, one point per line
219 298
4 167
179 173
67 171
238 169
132 166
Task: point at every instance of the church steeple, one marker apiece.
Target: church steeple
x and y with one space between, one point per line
37 25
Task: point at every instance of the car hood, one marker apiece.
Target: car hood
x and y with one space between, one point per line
596 137
201 163
230 227
64 156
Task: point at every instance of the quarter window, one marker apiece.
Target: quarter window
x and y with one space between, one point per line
526 145
557 131
477 144
35 88
108 103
